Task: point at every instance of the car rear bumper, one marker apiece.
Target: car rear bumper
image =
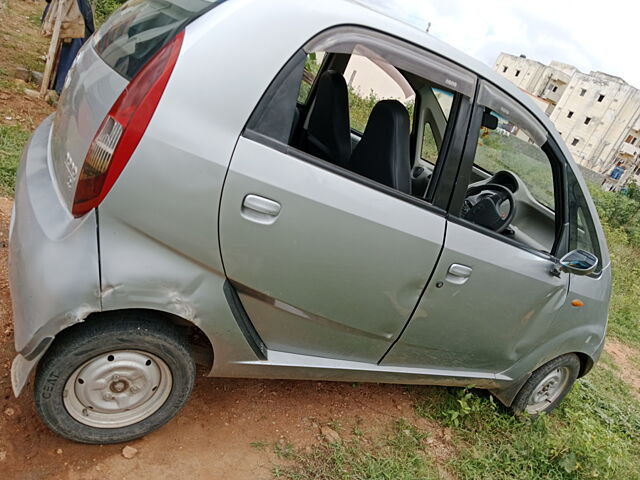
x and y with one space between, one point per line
53 259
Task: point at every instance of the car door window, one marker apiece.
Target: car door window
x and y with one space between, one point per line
323 125
509 147
513 182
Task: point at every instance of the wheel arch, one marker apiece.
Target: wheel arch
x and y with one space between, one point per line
202 347
507 394
586 363
201 344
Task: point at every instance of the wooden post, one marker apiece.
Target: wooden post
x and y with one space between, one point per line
53 50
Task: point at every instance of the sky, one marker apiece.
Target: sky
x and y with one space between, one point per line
591 35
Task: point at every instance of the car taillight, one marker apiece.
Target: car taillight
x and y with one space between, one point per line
122 129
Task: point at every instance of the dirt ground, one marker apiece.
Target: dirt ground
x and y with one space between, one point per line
628 362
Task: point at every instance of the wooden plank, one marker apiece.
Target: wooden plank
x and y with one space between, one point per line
53 50
54 69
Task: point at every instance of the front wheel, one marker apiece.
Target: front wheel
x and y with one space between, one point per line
114 380
547 386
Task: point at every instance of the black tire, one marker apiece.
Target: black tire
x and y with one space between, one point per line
139 331
570 363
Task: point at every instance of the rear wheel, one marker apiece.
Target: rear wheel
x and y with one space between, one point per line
547 386
114 380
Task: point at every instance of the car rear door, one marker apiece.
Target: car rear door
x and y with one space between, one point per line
325 262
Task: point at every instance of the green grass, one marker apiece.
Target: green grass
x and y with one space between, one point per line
624 309
12 141
595 433
35 19
397 455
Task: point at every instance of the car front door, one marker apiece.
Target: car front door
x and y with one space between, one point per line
325 262
493 296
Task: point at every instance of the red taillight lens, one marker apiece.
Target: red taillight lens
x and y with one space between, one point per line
122 129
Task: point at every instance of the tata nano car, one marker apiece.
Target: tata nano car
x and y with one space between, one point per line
294 190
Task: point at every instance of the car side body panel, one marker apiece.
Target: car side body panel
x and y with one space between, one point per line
157 246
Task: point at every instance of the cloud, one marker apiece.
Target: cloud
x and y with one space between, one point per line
589 34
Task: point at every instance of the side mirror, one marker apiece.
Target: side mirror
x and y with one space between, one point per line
578 262
489 121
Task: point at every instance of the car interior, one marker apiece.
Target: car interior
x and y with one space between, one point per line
400 145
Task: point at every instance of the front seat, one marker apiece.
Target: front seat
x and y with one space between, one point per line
328 135
383 151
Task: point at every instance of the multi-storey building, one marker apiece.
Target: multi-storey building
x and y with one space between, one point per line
597 114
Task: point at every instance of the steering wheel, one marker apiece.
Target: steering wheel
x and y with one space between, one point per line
482 206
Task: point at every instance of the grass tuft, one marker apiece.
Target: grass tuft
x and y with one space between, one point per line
398 455
12 141
595 433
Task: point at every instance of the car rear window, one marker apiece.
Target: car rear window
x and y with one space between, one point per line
141 27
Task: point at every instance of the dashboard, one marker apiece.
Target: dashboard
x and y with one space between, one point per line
533 223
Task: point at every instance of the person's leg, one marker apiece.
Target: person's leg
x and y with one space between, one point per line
68 53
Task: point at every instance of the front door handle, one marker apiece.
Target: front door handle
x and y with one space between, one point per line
260 209
458 274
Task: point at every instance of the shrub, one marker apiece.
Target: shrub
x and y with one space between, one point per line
104 8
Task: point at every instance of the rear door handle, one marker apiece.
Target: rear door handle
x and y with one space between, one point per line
260 209
458 274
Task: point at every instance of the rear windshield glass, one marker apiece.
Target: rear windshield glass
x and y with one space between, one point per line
141 27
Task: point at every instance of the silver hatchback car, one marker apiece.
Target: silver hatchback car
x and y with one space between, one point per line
280 190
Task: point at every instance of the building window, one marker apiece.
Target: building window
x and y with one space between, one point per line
583 92
570 114
517 72
504 69
587 120
555 88
600 97
631 139
575 142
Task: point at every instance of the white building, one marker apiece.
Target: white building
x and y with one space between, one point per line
597 114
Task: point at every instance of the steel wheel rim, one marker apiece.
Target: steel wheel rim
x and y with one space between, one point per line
548 390
117 389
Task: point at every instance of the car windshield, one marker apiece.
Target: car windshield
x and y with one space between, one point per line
140 28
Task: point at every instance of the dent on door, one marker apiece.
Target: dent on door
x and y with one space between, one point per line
488 305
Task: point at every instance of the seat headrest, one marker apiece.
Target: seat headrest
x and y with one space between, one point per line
383 152
328 131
